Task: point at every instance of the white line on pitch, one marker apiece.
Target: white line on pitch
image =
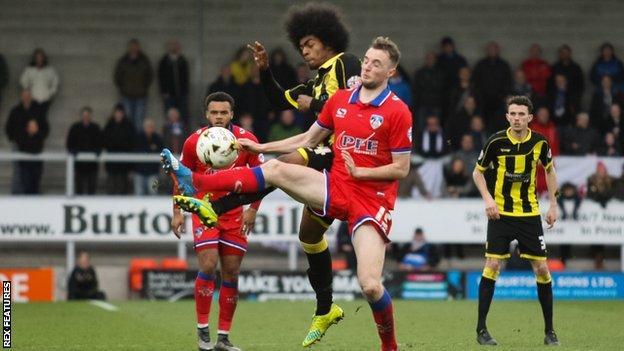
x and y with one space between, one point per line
104 305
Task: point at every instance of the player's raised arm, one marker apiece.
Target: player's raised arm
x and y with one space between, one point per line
279 97
311 138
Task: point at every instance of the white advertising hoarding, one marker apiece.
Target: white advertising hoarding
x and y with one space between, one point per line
126 219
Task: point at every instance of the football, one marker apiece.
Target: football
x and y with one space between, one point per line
216 148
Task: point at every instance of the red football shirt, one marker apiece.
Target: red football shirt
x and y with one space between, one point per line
371 133
245 159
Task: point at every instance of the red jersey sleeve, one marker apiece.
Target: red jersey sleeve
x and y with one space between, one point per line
401 132
189 155
325 118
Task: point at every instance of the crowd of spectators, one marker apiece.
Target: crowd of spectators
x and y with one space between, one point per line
456 104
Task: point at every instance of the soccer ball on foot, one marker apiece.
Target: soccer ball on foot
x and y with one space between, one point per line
216 148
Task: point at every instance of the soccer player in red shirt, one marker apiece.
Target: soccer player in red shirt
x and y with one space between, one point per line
227 241
372 147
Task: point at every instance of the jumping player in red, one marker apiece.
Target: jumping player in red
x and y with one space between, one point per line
372 147
227 241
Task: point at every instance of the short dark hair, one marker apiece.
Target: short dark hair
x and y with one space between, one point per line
447 41
323 21
387 45
86 109
33 58
520 100
221 97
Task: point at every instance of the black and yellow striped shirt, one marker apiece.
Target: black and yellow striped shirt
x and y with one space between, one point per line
515 164
339 72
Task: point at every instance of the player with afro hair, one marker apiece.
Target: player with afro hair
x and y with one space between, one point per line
323 21
321 37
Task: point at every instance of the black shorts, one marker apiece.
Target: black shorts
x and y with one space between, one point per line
319 158
527 230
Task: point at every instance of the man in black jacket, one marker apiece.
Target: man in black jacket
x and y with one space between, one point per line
83 282
133 77
492 83
118 137
15 129
173 79
85 136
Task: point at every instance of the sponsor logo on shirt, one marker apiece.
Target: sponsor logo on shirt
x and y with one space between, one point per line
364 146
341 112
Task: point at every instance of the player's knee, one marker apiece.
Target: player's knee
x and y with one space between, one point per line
371 288
208 270
311 236
493 264
271 169
541 271
207 261
230 275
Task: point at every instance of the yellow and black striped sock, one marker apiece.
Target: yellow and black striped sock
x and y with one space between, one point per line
486 292
320 274
545 296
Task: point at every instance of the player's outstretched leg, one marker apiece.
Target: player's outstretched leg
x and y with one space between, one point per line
486 293
233 200
201 208
241 180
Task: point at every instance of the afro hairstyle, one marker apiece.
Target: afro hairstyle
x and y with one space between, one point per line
321 20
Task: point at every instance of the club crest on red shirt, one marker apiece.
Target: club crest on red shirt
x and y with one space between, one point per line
376 121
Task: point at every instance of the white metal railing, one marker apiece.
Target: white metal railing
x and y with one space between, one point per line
71 159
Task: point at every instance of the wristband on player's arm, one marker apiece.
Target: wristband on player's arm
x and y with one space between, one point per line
316 106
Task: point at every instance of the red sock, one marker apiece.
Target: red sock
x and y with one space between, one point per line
228 297
239 180
383 313
204 288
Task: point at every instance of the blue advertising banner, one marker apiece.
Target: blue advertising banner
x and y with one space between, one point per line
566 285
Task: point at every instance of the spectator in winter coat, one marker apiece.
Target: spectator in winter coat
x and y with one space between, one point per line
537 71
572 72
173 79
30 140
146 174
580 139
41 79
491 79
133 77
85 136
119 135
607 64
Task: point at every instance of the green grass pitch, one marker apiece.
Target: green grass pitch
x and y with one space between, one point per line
421 325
